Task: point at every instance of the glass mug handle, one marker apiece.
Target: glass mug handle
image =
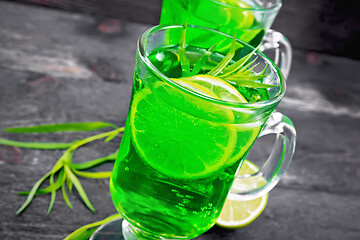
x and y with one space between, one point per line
283 50
275 166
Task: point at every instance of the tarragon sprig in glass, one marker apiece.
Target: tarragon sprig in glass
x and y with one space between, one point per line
240 73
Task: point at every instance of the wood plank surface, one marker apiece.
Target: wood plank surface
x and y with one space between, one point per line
60 67
328 26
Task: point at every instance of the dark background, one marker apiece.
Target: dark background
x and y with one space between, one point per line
329 26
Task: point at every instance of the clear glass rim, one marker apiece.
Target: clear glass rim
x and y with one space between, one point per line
141 50
274 7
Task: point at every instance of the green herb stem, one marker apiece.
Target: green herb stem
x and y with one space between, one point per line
94 162
252 84
86 231
84 141
62 127
92 174
35 145
184 61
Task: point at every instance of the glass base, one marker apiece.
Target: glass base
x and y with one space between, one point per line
120 229
109 231
114 231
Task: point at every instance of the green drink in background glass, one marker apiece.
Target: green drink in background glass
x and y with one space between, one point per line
251 19
186 137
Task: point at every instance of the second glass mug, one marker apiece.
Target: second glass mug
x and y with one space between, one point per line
251 19
181 150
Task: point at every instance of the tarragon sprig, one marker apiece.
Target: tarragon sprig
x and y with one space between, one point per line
86 231
240 73
184 61
64 173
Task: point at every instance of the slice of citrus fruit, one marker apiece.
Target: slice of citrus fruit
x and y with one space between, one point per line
236 214
176 143
243 18
218 88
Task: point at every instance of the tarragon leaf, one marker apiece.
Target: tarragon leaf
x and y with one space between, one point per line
93 174
94 162
237 65
83 233
112 136
66 199
225 61
263 71
184 61
240 77
87 140
53 194
69 185
200 63
86 231
32 193
35 145
247 69
62 127
250 83
79 187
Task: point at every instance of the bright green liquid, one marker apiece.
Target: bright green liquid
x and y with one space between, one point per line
164 187
214 15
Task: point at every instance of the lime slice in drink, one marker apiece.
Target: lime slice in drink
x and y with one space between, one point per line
236 214
244 19
177 143
215 87
174 142
219 89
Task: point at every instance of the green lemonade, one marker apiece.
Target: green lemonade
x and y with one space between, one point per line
221 15
177 161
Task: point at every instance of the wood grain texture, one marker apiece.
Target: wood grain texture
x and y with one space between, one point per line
57 66
328 26
143 11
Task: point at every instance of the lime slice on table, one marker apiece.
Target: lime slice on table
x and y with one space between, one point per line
178 144
236 214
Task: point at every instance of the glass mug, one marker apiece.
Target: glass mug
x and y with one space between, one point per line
181 150
251 19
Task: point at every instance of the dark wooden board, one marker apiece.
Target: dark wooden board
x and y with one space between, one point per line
57 66
328 26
